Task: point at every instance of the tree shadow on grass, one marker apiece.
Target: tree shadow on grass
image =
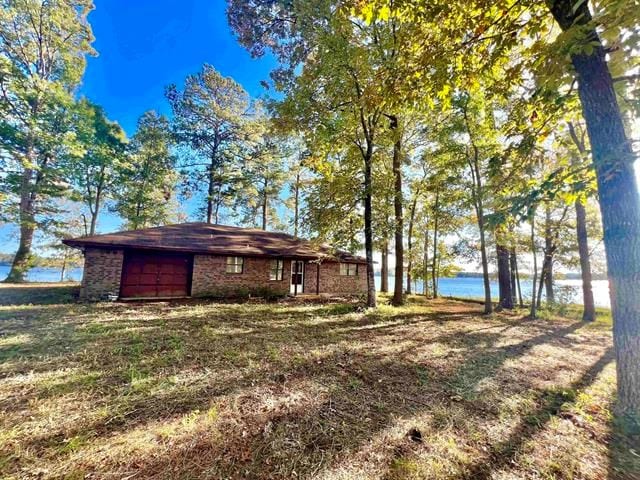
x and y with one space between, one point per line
624 448
37 294
345 382
550 403
366 392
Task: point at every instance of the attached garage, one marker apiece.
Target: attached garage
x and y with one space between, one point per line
205 260
155 274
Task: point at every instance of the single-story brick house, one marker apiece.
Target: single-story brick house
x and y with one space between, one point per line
201 259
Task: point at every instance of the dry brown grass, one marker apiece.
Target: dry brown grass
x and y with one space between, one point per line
213 390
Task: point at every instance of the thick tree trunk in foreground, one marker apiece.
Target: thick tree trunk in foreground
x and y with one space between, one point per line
384 269
589 309
619 199
398 298
504 277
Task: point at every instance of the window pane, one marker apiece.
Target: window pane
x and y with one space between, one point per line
275 270
235 264
350 269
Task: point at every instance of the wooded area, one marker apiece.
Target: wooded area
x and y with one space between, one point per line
494 132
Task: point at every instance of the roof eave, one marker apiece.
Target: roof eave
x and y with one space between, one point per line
79 243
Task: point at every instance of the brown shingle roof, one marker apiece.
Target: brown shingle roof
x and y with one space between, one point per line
217 240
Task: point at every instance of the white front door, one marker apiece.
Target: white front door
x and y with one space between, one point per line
297 276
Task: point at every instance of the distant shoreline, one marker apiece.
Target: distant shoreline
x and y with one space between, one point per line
494 276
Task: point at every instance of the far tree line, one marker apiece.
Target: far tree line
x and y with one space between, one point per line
497 132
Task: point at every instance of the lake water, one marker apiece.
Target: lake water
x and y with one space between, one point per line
46 274
466 287
472 287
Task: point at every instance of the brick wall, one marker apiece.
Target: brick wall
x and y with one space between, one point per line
310 272
332 282
102 272
211 279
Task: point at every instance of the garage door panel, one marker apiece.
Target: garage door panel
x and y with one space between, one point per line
148 274
135 268
131 279
171 292
172 279
150 267
148 279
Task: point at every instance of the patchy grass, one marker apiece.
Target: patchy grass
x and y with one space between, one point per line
188 390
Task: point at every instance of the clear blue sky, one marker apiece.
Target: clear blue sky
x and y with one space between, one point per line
145 45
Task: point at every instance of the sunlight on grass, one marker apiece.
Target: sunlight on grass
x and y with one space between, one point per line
327 391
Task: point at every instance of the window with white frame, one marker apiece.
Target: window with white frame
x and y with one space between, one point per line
235 264
276 270
349 269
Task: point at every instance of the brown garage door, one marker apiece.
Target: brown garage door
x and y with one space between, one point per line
154 274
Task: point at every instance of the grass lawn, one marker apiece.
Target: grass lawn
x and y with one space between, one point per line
433 390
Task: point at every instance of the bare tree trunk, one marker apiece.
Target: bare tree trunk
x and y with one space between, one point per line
368 229
22 259
265 206
425 264
504 277
398 298
547 266
548 282
618 194
515 266
296 209
384 270
210 192
589 308
434 259
218 202
97 202
512 272
478 203
538 298
410 241
488 307
94 221
533 312
64 265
